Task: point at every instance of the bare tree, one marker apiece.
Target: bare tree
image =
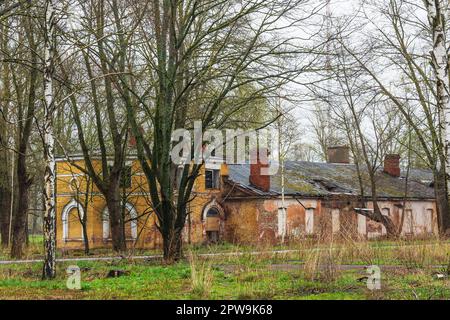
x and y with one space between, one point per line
6 159
198 55
7 7
26 110
360 115
397 44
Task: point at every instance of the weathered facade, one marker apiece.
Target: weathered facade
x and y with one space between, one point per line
323 200
236 204
78 196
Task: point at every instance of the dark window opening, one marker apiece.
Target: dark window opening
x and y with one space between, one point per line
125 179
212 179
213 212
213 236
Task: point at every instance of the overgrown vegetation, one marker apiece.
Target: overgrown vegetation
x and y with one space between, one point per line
304 271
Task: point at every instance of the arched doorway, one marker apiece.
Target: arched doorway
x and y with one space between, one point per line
212 225
212 222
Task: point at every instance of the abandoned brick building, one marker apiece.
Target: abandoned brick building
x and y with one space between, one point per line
234 203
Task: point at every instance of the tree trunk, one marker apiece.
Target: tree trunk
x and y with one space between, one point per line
440 63
116 220
24 133
442 203
20 215
391 229
172 246
84 219
171 231
85 237
5 199
49 268
5 187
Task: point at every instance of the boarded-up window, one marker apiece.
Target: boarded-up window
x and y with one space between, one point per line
429 220
335 220
309 221
212 220
408 223
212 225
282 221
362 225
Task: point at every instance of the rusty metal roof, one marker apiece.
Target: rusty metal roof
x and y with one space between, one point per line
314 179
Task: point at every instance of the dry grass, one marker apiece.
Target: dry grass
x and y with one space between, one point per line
323 264
312 270
201 276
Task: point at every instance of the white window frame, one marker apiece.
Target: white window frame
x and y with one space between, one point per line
106 226
336 220
309 221
65 217
282 219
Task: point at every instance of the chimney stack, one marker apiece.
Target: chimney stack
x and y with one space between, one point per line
131 139
259 159
392 165
340 154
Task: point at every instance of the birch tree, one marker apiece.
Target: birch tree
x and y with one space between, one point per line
440 62
49 269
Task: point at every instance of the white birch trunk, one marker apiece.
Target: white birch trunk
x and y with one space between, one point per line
436 19
49 270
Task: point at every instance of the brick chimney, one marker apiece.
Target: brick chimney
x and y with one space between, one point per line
132 142
257 163
131 139
340 154
392 165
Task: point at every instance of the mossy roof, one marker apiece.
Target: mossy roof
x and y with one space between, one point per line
314 179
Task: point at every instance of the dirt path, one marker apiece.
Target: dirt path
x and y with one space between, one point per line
151 257
342 267
219 254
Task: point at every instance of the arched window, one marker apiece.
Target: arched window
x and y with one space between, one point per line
71 215
130 227
212 212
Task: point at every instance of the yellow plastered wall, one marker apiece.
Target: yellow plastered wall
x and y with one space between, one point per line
72 185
